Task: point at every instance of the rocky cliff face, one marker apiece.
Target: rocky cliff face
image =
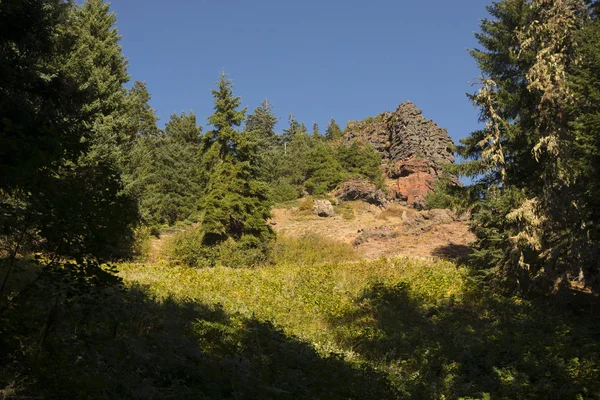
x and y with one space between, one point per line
403 134
413 150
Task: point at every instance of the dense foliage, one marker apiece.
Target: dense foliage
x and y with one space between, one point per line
312 326
535 162
86 173
61 190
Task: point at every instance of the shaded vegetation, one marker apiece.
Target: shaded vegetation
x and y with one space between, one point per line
86 175
533 201
127 343
382 329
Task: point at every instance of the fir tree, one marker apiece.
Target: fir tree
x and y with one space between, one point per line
262 122
235 204
527 213
362 161
166 171
292 130
98 64
333 131
142 117
183 128
75 209
315 131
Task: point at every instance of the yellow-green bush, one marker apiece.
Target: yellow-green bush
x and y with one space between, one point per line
311 249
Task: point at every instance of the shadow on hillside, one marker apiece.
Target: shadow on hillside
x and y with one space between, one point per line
452 251
494 345
129 345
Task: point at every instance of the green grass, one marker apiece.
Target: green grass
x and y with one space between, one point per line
300 298
314 325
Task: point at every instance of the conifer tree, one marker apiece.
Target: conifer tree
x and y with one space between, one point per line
292 130
333 131
315 131
141 116
98 64
262 121
235 204
528 210
183 128
166 169
79 207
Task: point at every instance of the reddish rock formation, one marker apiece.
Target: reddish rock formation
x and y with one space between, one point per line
413 151
412 188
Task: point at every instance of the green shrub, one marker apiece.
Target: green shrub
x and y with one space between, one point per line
359 160
187 248
247 252
141 243
311 249
282 192
446 196
305 204
347 211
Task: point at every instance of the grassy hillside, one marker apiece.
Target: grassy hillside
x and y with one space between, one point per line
304 328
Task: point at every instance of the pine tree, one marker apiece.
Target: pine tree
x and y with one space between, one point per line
182 128
166 172
527 213
74 209
315 131
293 129
141 116
98 64
323 172
359 160
263 122
42 120
585 161
333 131
235 204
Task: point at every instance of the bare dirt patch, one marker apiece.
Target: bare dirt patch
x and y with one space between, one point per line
380 232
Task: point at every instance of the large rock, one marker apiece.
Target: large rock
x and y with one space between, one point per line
413 149
358 189
423 221
411 181
323 208
403 134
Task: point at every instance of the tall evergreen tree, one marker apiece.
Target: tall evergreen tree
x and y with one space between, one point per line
262 121
100 67
527 215
315 131
42 121
166 171
333 131
60 206
141 116
585 161
292 130
235 204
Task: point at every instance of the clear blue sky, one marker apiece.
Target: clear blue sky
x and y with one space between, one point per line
343 58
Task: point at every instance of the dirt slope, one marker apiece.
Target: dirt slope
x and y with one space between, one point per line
380 232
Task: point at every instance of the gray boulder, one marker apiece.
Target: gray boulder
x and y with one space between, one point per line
323 208
358 189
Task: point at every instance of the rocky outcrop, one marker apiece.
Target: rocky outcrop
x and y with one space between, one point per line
377 233
413 150
403 134
410 181
358 189
423 221
323 208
